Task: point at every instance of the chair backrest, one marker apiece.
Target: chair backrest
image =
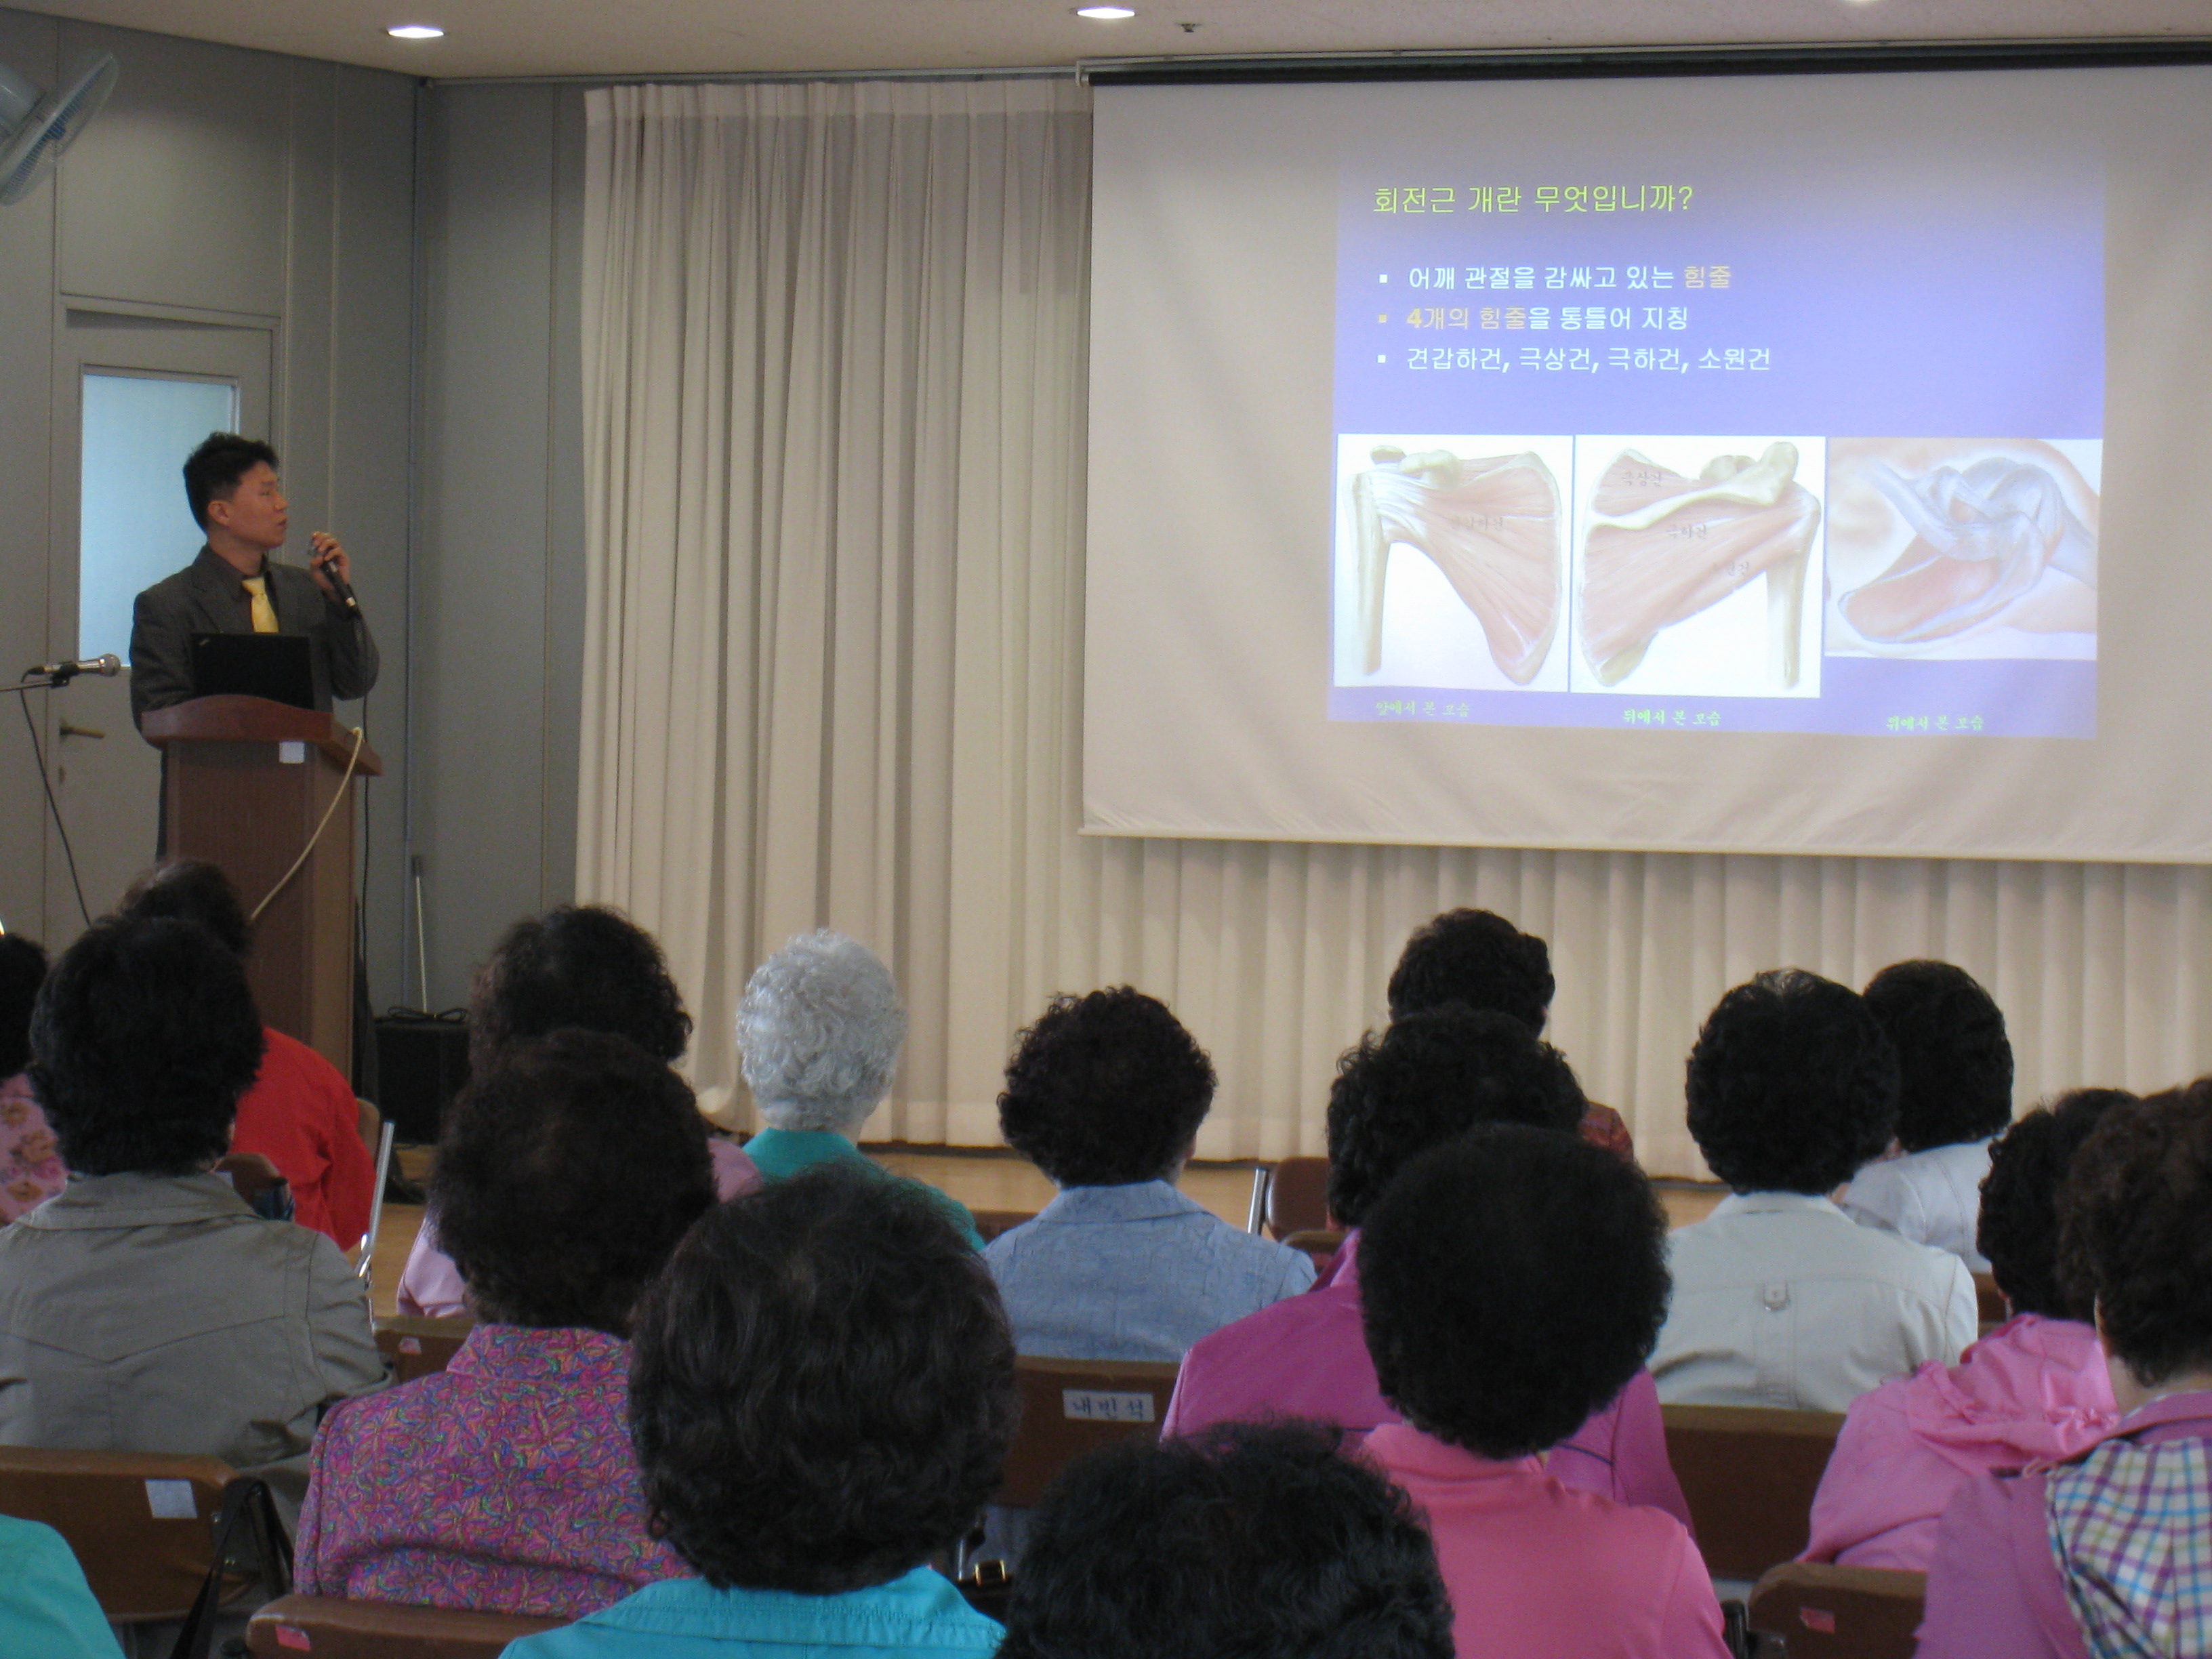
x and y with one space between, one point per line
325 1628
1070 1407
1989 1300
1749 1474
991 1223
1298 1197
252 1173
416 1347
141 1523
1840 1613
1322 1244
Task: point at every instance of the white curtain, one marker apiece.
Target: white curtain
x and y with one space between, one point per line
834 347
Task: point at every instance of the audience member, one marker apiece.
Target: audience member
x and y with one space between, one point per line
2033 1390
2109 1553
1954 1098
1105 1094
46 1609
822 1397
818 1033
567 1173
1250 1540
580 967
301 1113
1780 1298
145 1308
1428 1077
1515 1281
1479 958
30 1170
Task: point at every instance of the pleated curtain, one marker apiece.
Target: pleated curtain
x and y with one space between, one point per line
834 352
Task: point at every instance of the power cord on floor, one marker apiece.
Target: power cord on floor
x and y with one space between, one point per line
22 691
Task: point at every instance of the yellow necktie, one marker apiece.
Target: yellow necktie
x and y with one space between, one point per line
265 614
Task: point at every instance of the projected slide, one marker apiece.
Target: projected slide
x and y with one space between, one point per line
1717 452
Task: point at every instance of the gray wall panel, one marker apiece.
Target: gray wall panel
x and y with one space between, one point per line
27 44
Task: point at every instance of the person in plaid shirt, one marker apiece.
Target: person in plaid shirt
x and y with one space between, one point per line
2109 1553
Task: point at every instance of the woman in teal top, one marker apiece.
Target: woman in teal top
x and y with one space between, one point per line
821 1396
818 1032
46 1606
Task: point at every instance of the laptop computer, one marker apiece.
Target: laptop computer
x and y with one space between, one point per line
272 666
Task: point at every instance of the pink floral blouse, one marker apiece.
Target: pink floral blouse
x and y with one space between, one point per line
30 1165
505 1483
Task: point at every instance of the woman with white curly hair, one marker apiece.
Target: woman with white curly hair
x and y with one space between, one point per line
818 1035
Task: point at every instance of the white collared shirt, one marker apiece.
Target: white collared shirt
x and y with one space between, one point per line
1931 1197
1782 1299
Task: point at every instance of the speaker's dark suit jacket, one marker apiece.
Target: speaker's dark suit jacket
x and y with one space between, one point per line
204 597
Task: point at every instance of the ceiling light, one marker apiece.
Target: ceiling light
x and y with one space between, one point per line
417 32
1104 14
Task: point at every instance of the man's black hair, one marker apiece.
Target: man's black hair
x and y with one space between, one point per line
566 1173
822 1391
1511 1282
1105 1090
1247 1542
1792 1085
22 970
1479 958
213 470
1953 1060
191 889
2019 1227
143 1038
1428 1077
582 965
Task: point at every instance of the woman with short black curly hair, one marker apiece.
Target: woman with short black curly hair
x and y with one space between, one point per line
585 967
2033 1389
1104 1094
1514 1279
1953 1099
1780 1298
2106 1554
822 1398
568 1172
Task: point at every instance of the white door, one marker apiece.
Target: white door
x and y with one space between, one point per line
134 396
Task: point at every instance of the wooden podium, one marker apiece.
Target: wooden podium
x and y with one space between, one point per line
247 782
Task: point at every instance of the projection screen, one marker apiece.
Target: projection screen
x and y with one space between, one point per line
1793 464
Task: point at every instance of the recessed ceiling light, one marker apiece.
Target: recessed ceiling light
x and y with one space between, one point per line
1104 14
417 32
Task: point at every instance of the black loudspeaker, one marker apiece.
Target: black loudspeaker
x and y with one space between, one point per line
422 1061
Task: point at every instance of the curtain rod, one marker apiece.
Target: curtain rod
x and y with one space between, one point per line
758 77
1552 63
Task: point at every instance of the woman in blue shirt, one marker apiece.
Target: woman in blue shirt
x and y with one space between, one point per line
822 1396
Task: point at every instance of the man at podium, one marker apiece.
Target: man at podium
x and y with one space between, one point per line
235 586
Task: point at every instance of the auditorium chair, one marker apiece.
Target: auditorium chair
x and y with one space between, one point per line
1989 1301
326 1628
991 1223
1749 1474
1839 1613
416 1347
1070 1407
142 1524
1298 1197
1321 1243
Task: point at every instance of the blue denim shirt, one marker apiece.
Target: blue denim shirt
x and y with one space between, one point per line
1138 1272
920 1616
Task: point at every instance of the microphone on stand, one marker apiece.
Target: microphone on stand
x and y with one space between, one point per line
61 673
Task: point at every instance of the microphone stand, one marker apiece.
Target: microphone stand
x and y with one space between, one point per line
35 681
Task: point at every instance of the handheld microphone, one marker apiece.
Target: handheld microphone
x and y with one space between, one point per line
61 673
340 587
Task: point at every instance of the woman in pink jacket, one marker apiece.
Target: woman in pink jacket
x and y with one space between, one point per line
2035 1388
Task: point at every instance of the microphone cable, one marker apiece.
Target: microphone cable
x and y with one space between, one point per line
22 689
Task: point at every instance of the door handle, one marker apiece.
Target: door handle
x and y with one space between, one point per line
71 730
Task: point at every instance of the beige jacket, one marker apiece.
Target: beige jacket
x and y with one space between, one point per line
154 1313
